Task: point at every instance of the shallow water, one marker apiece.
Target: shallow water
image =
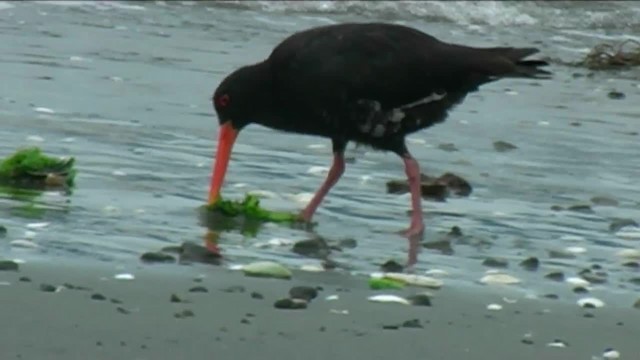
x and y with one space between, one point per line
125 88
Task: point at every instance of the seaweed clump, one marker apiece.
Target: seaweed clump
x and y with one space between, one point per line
250 208
609 56
31 168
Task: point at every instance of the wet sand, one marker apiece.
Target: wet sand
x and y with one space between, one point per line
236 318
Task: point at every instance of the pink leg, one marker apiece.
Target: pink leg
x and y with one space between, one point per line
336 171
412 169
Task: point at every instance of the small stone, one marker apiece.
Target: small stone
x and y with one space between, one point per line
115 301
23 244
157 257
495 262
558 343
198 289
47 288
556 208
503 146
8 265
444 246
267 269
256 295
24 279
552 296
610 354
555 276
290 304
98 297
494 307
560 254
581 208
348 243
617 224
412 324
122 310
313 248
616 95
498 278
3 231
303 292
392 266
531 263
385 298
588 315
191 252
580 290
124 277
632 264
450 147
604 201
175 298
234 289
590 303
390 327
594 277
420 300
184 314
245 321
635 281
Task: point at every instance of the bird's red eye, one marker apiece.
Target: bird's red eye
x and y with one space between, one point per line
223 100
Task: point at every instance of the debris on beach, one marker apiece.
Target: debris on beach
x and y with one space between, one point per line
409 279
381 283
499 278
437 189
613 56
157 257
267 269
124 276
590 303
610 354
31 168
503 146
250 208
386 298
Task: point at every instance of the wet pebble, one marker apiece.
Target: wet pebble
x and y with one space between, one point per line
198 289
577 281
314 248
392 266
233 289
552 296
503 146
23 244
157 257
632 264
449 147
98 297
420 300
306 293
616 95
499 278
617 224
580 290
581 208
604 201
386 298
495 262
412 324
290 304
610 354
184 314
594 277
267 269
558 343
124 277
636 305
175 298
191 252
555 276
494 307
47 288
590 303
24 279
531 263
8 265
3 231
256 295
560 254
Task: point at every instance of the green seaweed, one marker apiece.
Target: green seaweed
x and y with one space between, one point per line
379 284
251 209
31 165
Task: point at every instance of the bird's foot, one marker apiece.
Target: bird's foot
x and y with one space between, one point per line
414 230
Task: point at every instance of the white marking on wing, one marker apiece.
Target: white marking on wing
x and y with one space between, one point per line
431 98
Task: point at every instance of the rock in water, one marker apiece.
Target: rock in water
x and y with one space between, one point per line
267 269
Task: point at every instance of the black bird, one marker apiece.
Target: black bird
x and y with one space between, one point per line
369 83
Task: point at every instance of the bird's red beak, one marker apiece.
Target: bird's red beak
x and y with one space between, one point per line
226 139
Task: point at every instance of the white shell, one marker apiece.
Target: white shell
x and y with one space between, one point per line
267 269
312 268
385 298
504 279
557 343
37 225
594 302
436 272
611 354
124 277
332 297
576 250
494 307
578 281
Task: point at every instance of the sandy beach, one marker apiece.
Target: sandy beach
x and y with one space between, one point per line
206 312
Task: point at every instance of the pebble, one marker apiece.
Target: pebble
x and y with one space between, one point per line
24 244
494 307
420 300
184 314
617 224
306 293
157 257
198 289
44 110
8 265
611 354
312 268
555 276
412 324
392 266
47 288
575 250
495 262
290 304
175 298
415 280
332 298
503 146
629 253
557 343
256 295
577 281
267 269
3 230
499 278
39 225
636 305
590 303
385 298
98 297
24 279
436 272
531 263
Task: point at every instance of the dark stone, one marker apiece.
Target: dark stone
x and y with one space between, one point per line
635 281
604 201
503 146
450 147
593 277
98 297
175 298
632 264
616 95
256 295
531 263
419 300
191 252
555 276
122 310
245 321
636 304
390 327
303 292
115 301
184 314
290 304
348 243
412 324
552 296
444 246
157 257
198 289
47 288
527 341
588 315
455 231
581 208
24 279
392 266
580 290
495 262
3 231
234 289
436 189
617 224
455 183
313 248
556 208
559 254
8 265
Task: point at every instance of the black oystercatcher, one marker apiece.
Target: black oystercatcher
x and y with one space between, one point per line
370 83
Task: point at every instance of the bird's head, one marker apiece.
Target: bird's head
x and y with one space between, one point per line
239 99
